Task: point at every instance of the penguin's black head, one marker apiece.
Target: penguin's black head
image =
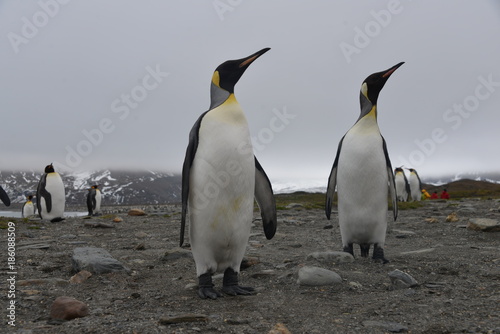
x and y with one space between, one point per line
228 73
398 169
372 85
49 169
30 197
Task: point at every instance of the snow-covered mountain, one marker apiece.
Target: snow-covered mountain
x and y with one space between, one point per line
118 187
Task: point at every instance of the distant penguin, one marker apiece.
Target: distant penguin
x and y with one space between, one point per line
50 196
402 186
415 185
4 197
28 209
94 200
362 174
220 179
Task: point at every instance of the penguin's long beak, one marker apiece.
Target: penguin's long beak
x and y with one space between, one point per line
388 73
245 62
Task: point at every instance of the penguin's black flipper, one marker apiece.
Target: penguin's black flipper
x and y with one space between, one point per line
4 197
265 198
186 171
90 207
42 192
392 183
332 182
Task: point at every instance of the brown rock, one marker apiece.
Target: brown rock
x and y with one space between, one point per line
80 277
117 220
136 212
67 308
431 220
452 217
279 328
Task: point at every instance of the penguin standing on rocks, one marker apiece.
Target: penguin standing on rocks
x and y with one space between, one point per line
50 195
4 197
362 174
402 186
94 200
28 207
220 179
415 185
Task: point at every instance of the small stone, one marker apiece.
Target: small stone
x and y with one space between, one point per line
117 220
140 246
191 286
452 218
136 212
95 260
315 276
400 279
331 256
247 262
483 224
431 220
67 308
141 235
279 328
354 286
98 224
327 227
80 277
294 206
183 318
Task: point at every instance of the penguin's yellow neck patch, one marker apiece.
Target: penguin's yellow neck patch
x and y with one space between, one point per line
231 99
216 78
372 113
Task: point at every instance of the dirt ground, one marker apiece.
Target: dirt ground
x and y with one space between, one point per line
457 270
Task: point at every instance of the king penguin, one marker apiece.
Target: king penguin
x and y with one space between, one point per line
50 196
4 197
220 178
415 185
28 207
402 186
362 174
94 200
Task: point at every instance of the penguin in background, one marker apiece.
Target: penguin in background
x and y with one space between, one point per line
415 185
220 178
50 196
4 197
402 186
94 200
28 209
362 174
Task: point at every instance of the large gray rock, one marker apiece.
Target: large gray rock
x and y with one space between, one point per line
400 279
95 260
314 276
332 256
483 224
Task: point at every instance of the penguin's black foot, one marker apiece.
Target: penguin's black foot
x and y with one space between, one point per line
230 284
57 219
378 254
349 249
206 287
365 249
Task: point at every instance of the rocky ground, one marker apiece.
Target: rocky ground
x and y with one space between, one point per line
457 272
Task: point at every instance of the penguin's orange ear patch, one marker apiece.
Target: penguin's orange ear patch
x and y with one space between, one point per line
216 79
248 61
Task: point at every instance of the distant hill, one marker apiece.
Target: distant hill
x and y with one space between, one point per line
467 188
118 187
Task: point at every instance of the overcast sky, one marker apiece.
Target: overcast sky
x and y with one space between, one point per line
98 84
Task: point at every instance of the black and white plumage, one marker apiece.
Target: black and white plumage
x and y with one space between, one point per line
220 179
402 186
94 200
362 175
50 195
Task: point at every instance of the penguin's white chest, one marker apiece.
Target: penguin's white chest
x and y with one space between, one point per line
55 187
221 194
28 209
362 184
97 200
